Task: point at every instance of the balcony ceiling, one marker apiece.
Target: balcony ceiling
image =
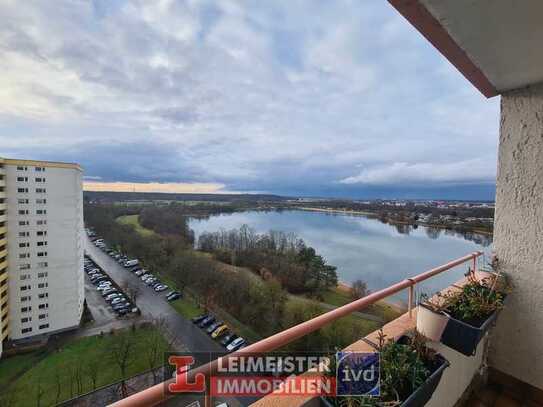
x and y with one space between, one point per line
496 44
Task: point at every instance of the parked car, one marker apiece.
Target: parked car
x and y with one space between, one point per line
146 276
140 272
103 287
151 280
219 331
120 305
161 287
213 326
206 321
131 263
118 300
235 344
112 296
228 338
173 297
199 318
108 291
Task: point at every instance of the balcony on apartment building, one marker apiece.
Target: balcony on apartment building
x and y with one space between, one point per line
496 45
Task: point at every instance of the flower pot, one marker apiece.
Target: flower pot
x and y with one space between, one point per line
451 332
423 393
431 324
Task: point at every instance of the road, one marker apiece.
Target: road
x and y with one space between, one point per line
153 306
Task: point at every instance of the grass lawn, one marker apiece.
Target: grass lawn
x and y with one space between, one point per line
133 220
187 307
61 366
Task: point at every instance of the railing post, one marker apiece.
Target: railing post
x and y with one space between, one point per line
410 297
474 263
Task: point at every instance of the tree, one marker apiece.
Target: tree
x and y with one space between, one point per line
155 347
121 354
359 289
92 370
132 291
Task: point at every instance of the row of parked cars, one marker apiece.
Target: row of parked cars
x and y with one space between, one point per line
219 330
133 266
115 298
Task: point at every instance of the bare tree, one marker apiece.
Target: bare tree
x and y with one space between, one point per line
359 289
121 353
92 371
132 291
40 391
155 347
58 383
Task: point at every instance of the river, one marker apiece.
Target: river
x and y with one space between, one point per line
361 247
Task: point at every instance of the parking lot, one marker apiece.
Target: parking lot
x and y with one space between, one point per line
153 305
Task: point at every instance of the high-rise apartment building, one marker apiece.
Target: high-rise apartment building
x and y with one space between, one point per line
41 248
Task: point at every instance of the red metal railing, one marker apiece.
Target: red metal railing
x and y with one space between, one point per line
157 394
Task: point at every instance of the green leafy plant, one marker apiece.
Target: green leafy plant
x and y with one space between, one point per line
404 368
476 300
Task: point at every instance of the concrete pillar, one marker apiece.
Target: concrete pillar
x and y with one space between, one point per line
517 341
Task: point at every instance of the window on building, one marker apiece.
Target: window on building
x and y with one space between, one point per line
43 295
42 254
25 266
25 287
41 233
26 319
24 255
41 201
43 306
40 190
40 212
26 309
40 179
24 244
41 222
23 277
42 275
24 234
23 223
26 298
44 326
22 190
43 285
22 201
42 243
42 264
23 211
43 316
26 330
20 168
39 169
22 179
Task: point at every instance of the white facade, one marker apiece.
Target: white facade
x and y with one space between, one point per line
44 208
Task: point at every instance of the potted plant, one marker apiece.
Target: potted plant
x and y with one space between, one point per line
460 318
409 374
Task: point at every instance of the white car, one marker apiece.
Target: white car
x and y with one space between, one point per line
117 300
236 343
104 287
161 288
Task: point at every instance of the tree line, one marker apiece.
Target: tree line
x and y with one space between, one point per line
282 255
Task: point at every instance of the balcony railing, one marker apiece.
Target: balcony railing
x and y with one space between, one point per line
158 394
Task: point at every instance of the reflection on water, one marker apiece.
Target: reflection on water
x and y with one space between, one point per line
364 248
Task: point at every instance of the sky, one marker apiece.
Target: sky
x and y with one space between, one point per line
336 98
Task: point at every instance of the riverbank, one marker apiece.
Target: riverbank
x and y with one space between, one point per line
465 229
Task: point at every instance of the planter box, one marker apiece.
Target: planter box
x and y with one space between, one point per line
424 392
451 332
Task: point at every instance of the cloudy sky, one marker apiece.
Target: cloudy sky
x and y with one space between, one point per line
303 97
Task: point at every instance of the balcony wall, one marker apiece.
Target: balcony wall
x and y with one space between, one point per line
517 348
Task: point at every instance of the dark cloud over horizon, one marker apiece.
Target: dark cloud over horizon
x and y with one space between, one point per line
318 98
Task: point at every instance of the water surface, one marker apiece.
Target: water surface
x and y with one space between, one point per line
363 248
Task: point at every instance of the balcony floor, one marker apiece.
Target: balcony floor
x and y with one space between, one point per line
505 391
